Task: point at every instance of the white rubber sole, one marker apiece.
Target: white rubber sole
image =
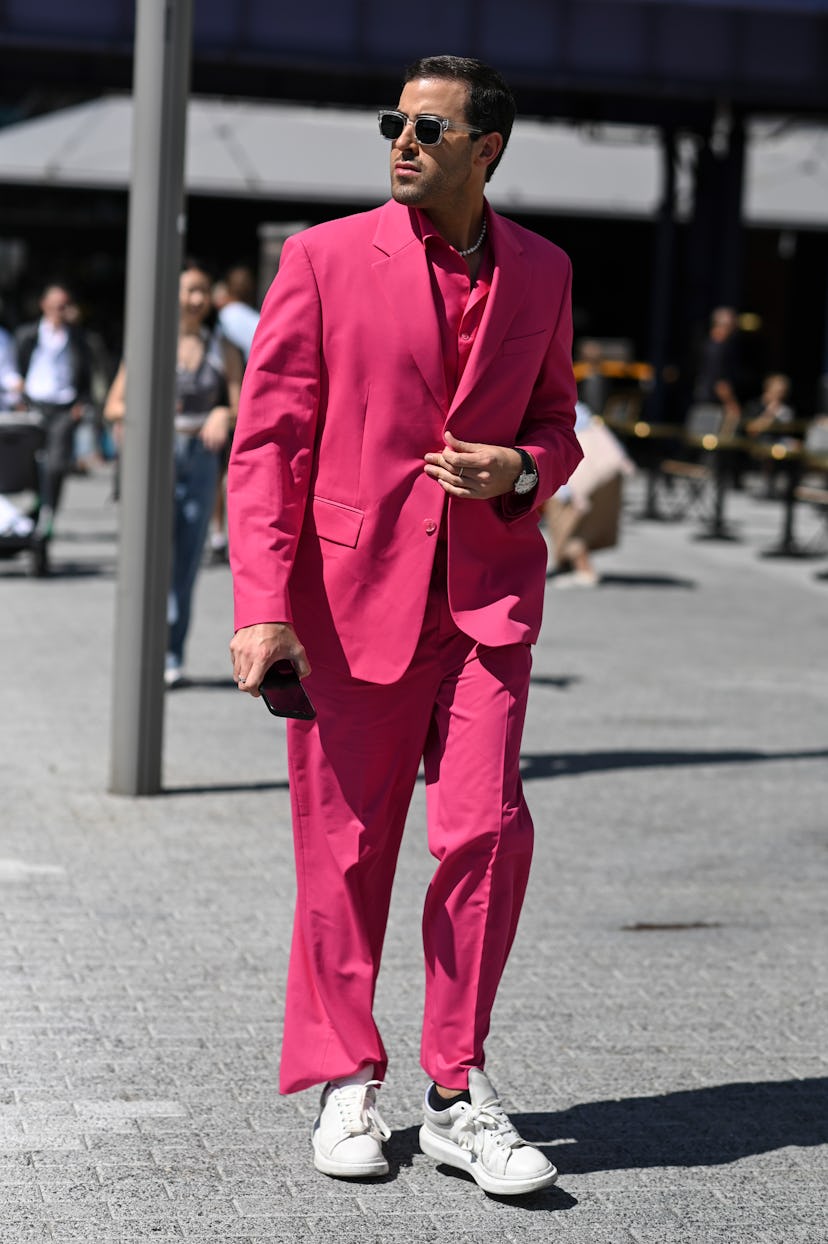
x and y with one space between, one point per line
348 1170
463 1160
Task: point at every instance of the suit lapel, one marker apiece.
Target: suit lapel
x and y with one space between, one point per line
509 285
403 276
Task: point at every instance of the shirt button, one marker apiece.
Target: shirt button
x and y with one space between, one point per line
430 526
465 336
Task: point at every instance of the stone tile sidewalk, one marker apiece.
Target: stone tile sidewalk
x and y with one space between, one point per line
661 1026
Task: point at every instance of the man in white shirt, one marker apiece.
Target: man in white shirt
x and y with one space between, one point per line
53 359
237 316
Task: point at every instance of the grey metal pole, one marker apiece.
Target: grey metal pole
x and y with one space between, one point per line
661 291
161 83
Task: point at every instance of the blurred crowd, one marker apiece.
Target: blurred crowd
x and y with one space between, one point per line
57 372
727 419
58 381
58 366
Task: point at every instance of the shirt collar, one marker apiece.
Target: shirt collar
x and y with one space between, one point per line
424 228
49 335
426 231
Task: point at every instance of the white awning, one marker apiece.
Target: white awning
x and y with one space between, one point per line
280 152
786 175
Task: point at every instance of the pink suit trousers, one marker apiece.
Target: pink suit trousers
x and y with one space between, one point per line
460 706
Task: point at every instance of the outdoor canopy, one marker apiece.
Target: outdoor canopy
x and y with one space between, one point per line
281 152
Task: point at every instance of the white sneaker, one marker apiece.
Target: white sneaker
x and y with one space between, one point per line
348 1133
576 578
480 1138
173 672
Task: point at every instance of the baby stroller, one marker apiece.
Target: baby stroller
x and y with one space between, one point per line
21 442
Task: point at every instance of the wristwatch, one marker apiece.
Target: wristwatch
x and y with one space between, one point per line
528 478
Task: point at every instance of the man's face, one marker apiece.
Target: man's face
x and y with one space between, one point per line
776 389
722 324
54 305
443 177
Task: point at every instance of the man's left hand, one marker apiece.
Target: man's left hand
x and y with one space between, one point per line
472 471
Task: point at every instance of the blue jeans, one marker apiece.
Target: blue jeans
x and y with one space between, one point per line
196 478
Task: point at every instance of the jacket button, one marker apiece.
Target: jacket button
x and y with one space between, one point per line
430 526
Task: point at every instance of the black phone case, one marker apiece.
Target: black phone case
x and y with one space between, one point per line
283 693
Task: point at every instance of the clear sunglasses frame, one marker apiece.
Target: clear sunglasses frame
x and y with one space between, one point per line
444 123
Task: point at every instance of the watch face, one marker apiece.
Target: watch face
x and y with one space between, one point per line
525 482
528 477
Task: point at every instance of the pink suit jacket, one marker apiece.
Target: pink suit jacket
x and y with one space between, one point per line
333 522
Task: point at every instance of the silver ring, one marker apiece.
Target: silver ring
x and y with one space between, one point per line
242 681
460 473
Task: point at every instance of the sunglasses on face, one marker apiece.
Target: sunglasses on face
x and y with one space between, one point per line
428 130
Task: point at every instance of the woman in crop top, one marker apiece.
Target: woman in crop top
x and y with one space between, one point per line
208 380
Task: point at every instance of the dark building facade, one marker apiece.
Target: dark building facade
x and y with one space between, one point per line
681 66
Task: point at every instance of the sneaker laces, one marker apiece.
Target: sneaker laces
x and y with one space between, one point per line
488 1122
357 1106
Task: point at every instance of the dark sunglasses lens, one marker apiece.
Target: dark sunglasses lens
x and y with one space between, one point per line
391 125
427 131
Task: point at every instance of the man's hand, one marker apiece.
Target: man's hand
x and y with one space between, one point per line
477 472
255 648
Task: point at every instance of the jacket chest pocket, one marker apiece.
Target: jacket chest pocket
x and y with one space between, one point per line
519 345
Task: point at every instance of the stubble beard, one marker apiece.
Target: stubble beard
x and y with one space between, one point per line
437 188
411 194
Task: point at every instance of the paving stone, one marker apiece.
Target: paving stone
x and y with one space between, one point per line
660 1026
76 1232
14 1227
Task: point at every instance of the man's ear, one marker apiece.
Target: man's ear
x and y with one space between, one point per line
491 147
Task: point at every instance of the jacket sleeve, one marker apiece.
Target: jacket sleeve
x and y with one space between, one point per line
82 358
24 341
270 465
547 429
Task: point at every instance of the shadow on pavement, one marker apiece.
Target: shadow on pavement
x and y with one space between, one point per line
223 788
696 1127
561 681
537 766
565 764
202 683
646 580
59 569
109 536
81 570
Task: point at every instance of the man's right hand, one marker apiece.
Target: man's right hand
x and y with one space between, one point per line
255 648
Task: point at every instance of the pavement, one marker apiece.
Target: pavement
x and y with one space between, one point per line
661 1027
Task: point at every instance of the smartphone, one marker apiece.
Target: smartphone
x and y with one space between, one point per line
283 693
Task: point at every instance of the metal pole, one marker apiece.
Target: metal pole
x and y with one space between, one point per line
661 315
732 226
163 39
661 294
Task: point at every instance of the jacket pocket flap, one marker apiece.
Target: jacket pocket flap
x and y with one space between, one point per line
516 345
337 522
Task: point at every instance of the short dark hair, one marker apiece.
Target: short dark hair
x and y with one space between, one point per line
61 285
491 107
194 263
241 284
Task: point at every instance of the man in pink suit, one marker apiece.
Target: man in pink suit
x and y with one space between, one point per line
407 406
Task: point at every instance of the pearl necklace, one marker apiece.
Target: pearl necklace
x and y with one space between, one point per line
478 243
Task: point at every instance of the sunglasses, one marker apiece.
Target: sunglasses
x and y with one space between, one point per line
428 130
